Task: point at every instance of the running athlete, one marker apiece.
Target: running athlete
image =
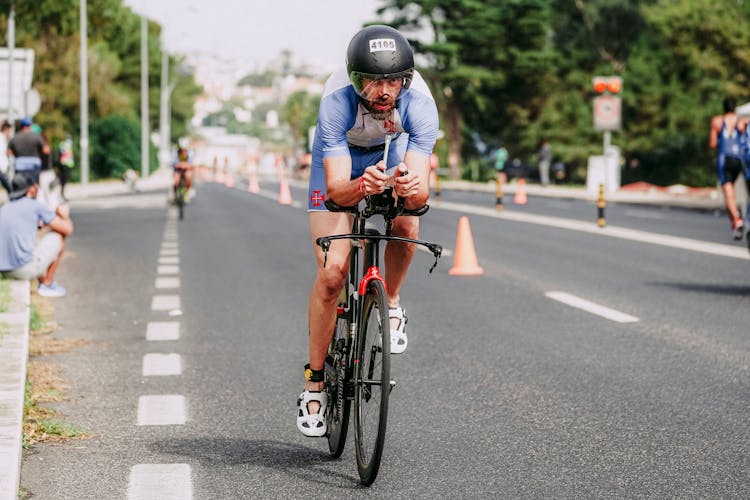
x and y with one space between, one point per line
378 93
726 133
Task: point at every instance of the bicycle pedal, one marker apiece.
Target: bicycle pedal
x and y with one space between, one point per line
392 385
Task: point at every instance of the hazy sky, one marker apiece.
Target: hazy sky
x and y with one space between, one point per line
258 30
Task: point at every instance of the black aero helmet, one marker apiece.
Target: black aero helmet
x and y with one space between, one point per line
378 52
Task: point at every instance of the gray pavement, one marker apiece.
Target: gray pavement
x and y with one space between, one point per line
14 344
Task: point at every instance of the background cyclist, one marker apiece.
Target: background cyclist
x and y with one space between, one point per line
182 162
378 93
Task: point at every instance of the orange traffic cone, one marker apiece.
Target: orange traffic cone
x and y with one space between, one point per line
252 182
465 260
520 197
285 195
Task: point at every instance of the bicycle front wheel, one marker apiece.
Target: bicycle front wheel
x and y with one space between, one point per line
337 386
372 382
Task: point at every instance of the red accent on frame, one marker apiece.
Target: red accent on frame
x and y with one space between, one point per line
372 274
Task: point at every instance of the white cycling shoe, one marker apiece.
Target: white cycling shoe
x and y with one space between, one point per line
398 320
312 424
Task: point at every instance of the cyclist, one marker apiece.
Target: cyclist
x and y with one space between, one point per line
378 93
725 137
182 162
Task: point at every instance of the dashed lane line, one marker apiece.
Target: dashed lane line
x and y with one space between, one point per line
591 307
169 260
157 365
165 302
162 330
161 409
168 270
167 282
160 482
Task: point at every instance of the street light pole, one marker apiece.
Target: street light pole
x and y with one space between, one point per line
11 47
164 153
84 97
144 99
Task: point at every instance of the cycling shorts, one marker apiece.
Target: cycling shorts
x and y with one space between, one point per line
728 168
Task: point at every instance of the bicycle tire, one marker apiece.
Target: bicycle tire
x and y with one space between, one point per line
372 382
337 381
180 196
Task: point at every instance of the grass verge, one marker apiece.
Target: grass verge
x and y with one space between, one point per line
43 424
5 298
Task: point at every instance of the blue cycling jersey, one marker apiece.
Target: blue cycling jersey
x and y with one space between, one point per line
346 128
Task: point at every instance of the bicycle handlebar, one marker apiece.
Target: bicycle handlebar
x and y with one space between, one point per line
324 242
382 204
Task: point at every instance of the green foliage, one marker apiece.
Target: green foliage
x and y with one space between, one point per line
300 112
51 29
115 146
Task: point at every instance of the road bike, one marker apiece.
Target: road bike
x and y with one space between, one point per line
181 193
357 367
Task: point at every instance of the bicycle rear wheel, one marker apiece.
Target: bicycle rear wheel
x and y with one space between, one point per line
372 382
180 196
337 383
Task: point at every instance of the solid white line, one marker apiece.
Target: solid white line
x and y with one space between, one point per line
165 302
165 409
719 249
167 282
162 330
160 482
156 365
168 270
593 308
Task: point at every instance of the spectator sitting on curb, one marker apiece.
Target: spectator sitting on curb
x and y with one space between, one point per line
21 255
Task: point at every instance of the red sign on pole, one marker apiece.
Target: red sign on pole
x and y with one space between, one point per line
607 112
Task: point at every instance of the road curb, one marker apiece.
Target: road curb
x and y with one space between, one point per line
14 354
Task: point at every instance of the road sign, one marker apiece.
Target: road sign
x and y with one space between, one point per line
607 112
23 70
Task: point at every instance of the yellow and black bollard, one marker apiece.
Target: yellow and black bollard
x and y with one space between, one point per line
498 195
601 221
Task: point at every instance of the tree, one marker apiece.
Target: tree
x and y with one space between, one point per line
300 111
487 63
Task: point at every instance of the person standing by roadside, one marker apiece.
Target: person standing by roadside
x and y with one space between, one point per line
545 159
27 148
21 255
4 161
725 137
64 163
501 156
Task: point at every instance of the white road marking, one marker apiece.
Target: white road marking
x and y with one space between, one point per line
167 282
163 330
160 482
169 251
644 214
155 364
169 260
168 270
719 249
165 302
593 308
175 312
168 244
163 409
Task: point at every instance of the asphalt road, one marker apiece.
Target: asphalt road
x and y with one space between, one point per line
504 392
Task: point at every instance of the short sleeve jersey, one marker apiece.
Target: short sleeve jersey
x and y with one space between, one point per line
19 221
346 128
